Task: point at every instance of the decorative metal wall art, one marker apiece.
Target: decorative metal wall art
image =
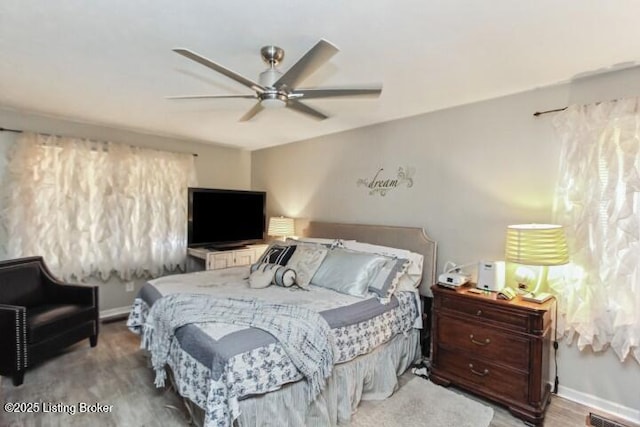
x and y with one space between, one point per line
379 184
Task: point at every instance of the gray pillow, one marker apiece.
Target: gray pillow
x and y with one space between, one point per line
386 280
348 272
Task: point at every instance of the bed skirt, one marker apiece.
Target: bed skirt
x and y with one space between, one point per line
373 376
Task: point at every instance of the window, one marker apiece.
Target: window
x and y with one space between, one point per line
598 202
94 208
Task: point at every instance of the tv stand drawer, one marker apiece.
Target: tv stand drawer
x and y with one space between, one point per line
216 260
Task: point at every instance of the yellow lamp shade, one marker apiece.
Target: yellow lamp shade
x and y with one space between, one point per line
536 244
280 226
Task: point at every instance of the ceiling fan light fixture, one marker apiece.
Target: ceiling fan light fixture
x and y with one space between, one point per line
273 100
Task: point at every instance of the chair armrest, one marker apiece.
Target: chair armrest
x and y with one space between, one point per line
73 294
13 338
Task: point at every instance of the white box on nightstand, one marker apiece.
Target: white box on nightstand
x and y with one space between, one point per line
490 275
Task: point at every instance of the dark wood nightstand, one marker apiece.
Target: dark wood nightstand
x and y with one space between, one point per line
494 348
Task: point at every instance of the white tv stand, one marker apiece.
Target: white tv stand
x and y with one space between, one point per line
215 259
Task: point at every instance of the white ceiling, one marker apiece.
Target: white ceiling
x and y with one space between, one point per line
109 62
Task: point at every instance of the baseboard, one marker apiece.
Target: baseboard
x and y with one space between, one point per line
114 313
596 403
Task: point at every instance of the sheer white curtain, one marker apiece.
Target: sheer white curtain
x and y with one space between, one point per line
96 208
598 201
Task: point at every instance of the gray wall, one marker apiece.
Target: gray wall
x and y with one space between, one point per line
478 168
216 166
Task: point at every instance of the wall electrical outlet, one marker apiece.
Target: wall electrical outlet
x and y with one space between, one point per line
129 287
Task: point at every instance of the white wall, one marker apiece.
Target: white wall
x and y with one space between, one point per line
216 167
478 168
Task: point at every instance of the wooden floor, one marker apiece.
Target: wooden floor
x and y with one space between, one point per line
116 373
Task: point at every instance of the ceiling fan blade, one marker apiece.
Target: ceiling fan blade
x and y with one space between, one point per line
305 109
252 112
219 68
211 96
331 93
314 58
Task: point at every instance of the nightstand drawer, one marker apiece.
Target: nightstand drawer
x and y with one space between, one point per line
484 342
484 375
486 312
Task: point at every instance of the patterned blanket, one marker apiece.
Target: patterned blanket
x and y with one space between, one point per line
304 335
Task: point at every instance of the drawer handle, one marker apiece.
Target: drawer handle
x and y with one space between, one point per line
479 313
485 342
480 374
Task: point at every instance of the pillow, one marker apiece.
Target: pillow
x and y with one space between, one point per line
409 282
277 253
330 243
305 261
386 280
411 279
284 276
264 274
348 272
260 277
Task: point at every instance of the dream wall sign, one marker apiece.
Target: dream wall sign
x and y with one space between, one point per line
380 183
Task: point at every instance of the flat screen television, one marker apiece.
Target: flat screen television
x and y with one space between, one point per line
219 219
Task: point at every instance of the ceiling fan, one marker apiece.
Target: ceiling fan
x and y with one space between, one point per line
277 89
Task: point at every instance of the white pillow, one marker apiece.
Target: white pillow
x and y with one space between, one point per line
330 243
305 261
413 276
261 277
264 274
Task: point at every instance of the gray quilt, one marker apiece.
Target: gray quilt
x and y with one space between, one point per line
252 360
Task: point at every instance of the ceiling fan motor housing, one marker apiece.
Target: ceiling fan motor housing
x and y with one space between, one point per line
269 77
272 97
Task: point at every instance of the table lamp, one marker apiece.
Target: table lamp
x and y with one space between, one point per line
281 227
541 245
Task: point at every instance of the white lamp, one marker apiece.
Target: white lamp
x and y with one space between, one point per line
281 227
541 245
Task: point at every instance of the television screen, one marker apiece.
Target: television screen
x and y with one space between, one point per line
225 218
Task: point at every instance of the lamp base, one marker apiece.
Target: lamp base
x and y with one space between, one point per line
539 297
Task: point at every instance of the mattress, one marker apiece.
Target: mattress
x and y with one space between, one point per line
206 356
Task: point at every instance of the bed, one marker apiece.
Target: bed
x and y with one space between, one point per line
292 355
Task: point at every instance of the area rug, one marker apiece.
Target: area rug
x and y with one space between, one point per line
422 403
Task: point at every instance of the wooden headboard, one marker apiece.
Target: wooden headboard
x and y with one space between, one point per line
413 239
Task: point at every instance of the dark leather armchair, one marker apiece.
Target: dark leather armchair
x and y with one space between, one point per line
39 315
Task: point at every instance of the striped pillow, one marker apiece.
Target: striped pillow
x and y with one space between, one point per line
277 254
